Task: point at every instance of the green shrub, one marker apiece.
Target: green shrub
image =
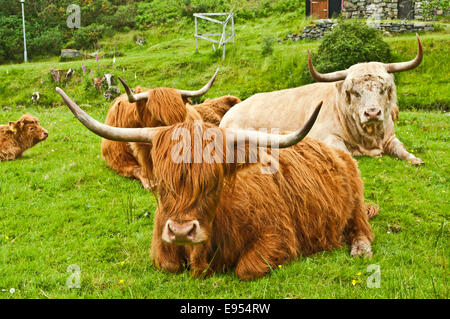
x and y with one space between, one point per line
49 42
349 42
430 7
87 37
267 46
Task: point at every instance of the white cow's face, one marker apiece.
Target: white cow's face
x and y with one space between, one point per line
368 93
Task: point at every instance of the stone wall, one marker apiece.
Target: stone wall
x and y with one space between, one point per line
376 9
316 31
380 9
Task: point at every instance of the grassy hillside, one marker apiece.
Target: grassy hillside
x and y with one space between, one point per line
169 59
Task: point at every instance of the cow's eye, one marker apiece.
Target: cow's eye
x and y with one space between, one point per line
31 129
382 91
356 94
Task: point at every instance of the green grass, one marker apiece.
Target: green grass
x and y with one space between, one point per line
60 205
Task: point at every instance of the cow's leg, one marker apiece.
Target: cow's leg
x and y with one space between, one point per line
396 148
371 210
265 254
141 153
198 261
139 174
337 142
121 159
135 171
359 233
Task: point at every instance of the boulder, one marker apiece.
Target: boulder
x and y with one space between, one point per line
70 53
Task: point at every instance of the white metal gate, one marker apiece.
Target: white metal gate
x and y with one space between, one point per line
223 36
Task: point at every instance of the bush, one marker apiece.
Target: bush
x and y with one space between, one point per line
49 42
267 46
349 42
87 37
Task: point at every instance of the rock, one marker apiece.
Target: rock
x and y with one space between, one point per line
109 78
56 74
140 40
35 97
70 53
111 93
69 73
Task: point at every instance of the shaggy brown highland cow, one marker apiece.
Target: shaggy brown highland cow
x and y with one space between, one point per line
216 215
156 107
17 137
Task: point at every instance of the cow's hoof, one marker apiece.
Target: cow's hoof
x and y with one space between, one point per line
416 161
371 211
148 184
202 273
361 248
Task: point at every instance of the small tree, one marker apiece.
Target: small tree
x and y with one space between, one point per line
349 42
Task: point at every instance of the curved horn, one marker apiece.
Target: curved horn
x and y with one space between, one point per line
203 90
327 77
404 66
144 135
274 140
132 98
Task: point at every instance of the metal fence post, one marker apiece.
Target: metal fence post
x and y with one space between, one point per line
196 39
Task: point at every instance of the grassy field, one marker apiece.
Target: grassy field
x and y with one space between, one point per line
60 205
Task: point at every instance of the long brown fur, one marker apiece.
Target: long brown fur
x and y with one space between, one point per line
165 106
17 137
212 110
254 221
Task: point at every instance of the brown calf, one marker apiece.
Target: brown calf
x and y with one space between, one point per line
17 137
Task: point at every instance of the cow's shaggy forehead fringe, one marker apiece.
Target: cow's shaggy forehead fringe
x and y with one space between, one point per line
190 179
28 119
166 106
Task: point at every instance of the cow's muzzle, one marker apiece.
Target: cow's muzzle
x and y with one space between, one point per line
372 114
182 233
44 135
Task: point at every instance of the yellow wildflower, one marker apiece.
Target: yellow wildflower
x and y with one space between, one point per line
353 282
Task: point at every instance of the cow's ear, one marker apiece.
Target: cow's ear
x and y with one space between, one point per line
13 126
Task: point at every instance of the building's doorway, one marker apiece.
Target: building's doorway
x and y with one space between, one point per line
319 9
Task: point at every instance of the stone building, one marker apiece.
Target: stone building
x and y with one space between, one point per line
374 9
